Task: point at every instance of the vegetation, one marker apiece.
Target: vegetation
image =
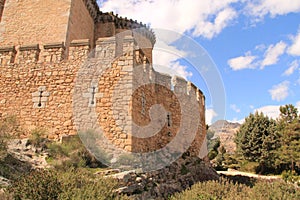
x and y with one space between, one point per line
64 185
9 128
212 144
71 153
288 153
225 189
263 146
70 177
269 146
256 141
10 167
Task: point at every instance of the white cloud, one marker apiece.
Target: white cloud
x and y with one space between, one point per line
242 62
166 56
236 120
260 47
271 111
292 68
235 108
260 8
210 29
206 18
280 92
272 54
209 115
294 49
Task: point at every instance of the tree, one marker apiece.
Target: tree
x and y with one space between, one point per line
288 114
288 155
257 139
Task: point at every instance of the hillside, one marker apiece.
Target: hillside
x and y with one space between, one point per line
225 131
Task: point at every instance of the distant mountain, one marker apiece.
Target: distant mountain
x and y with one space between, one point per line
226 132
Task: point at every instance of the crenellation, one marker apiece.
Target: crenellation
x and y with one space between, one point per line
7 55
106 48
54 52
128 45
188 88
194 90
140 58
181 86
163 79
79 49
28 53
92 7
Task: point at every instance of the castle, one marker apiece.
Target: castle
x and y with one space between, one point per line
48 51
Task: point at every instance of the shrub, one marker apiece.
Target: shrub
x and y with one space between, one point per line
71 153
73 184
79 184
249 166
37 137
227 190
38 185
289 176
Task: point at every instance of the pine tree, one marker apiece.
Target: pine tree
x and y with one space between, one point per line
288 155
257 139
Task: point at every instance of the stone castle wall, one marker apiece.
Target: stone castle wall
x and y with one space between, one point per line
81 24
40 87
58 87
30 72
46 21
34 22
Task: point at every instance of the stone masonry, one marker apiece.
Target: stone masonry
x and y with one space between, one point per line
47 78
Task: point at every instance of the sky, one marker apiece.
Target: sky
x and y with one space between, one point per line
253 46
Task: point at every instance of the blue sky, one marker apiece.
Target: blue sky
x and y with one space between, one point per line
255 46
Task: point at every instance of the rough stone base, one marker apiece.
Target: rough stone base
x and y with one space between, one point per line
163 183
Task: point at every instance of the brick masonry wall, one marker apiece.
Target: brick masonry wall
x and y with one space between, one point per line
34 22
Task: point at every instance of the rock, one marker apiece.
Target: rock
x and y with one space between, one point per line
4 182
22 150
165 182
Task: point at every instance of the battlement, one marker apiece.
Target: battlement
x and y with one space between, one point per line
93 8
177 84
78 49
126 24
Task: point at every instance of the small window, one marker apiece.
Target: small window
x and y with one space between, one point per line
169 120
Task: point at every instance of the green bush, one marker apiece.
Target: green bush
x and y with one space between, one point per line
38 185
73 184
249 166
289 176
80 184
38 137
71 153
227 190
